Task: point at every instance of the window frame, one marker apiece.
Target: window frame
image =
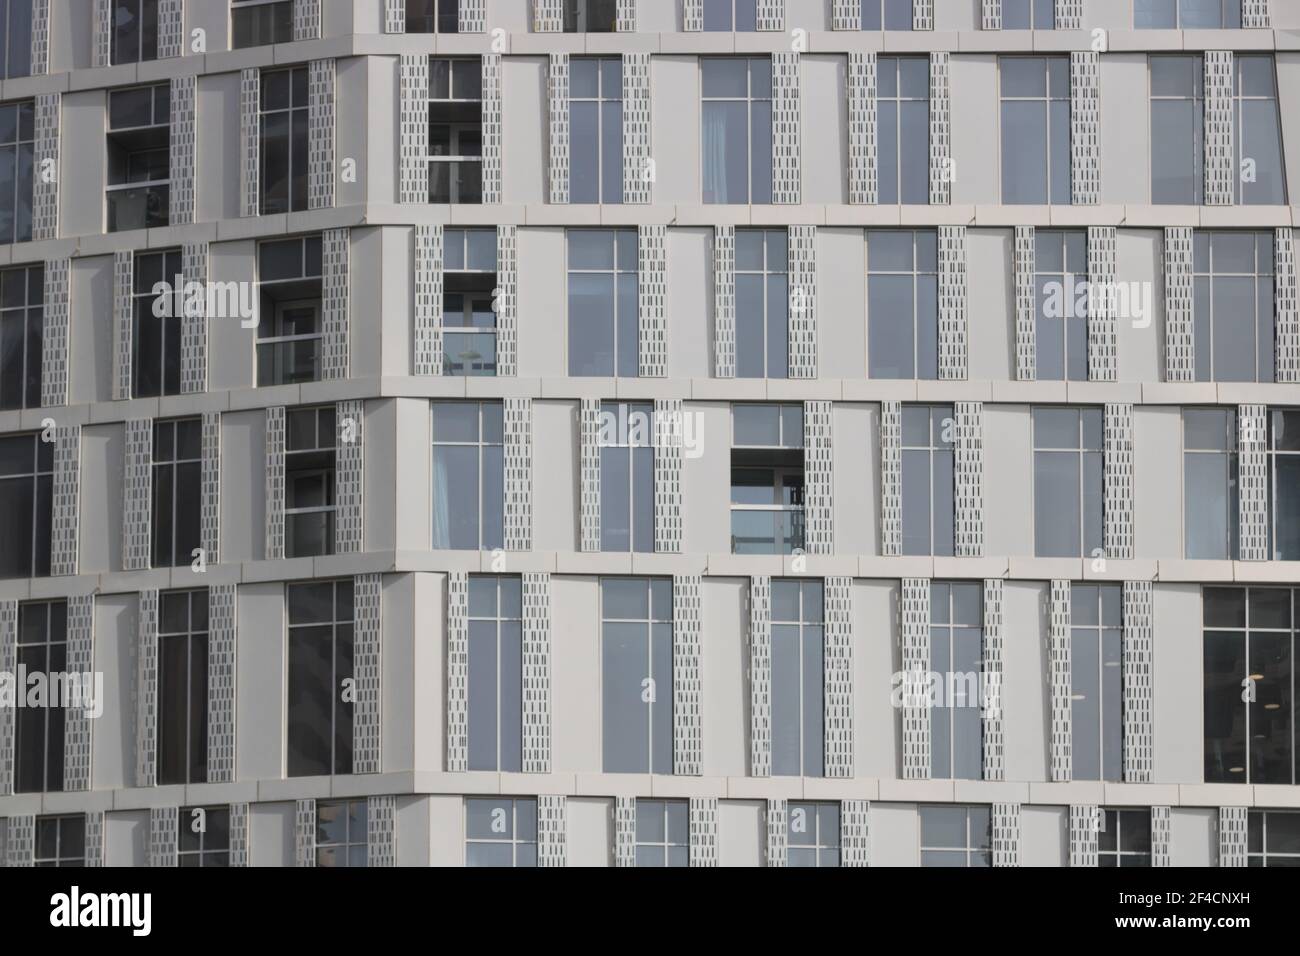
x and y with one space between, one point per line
1081 452
507 720
668 846
1073 334
31 317
52 658
40 477
141 29
1196 510
196 641
945 626
941 468
786 475
824 849
297 140
458 131
923 277
974 853
285 34
331 853
654 631
60 859
891 147
1116 821
772 278
211 850
519 845
342 638
1263 327
470 300
22 148
757 193
809 634
609 169
488 537
1050 196
624 281
1108 632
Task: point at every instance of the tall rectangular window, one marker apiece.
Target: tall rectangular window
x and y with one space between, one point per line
736 137
135 31
496 668
290 335
38 731
1284 483
468 476
139 157
663 833
1233 305
455 130
903 129
596 130
636 617
627 477
1029 14
203 837
767 479
902 303
956 836
22 329
798 679
1068 482
1035 129
183 687
1187 14
1124 838
61 841
284 140
1097 681
1257 132
724 16
603 309
929 484
260 22
433 16
320 662
26 505
1178 129
469 318
500 831
956 656
156 339
1061 304
342 833
1273 838
17 159
177 491
886 14
16 39
590 16
762 303
310 460
1210 484
813 834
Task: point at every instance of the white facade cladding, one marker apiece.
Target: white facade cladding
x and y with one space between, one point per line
958 454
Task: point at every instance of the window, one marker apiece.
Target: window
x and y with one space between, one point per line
886 14
38 731
1272 838
1028 14
156 339
603 311
956 836
591 16
496 669
320 660
1257 129
727 15
1061 304
903 303
455 131
26 505
22 325
204 837
309 494
1249 685
1187 14
259 22
903 128
957 656
469 318
627 477
432 16
500 831
341 833
1178 129
135 31
290 334
595 130
284 143
183 687
663 833
736 139
798 740
468 476
1125 837
1035 129
1097 681
636 616
813 834
17 159
61 841
16 40
1068 481
1233 306
767 482
1284 483
1210 488
177 491
928 480
762 303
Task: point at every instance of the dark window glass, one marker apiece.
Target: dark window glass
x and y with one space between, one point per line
203 836
17 159
1124 837
433 16
38 731
259 22
156 343
956 836
320 662
341 833
309 481
177 491
284 145
61 841
26 505
290 333
22 322
182 687
886 14
767 479
455 148
469 318
135 31
594 16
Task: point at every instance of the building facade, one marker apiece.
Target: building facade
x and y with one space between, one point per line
649 432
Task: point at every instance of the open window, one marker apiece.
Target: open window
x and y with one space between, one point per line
139 157
309 482
455 131
469 322
767 479
289 333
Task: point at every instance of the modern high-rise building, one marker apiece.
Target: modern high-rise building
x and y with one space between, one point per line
649 432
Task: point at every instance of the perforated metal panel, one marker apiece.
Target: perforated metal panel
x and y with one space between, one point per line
250 140
638 164
222 645
1103 350
427 342
846 15
306 19
171 28
652 299
914 637
548 16
1118 481
413 135
506 301
991 15
668 427
40 37
349 478
164 836
760 677
589 426
472 16
776 836
557 97
1161 837
1232 836
552 830
891 478
78 725
304 833
1253 482
968 479
1219 159
703 815
47 171
368 712
1139 683
240 842
101 29
8 665
320 134
819 478
1058 666
94 838
67 500
395 16
183 156
625 832
457 672
688 675
210 516
1286 307
855 833
724 301
952 303
492 151
625 22
941 160
194 320
123 350
1006 834
786 118
1180 354
1255 15
335 294
275 483
137 495
1085 128
692 15
54 336
863 143
537 673
1085 826
518 414
381 831
20 841
1069 14
803 301
771 15
838 677
991 662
